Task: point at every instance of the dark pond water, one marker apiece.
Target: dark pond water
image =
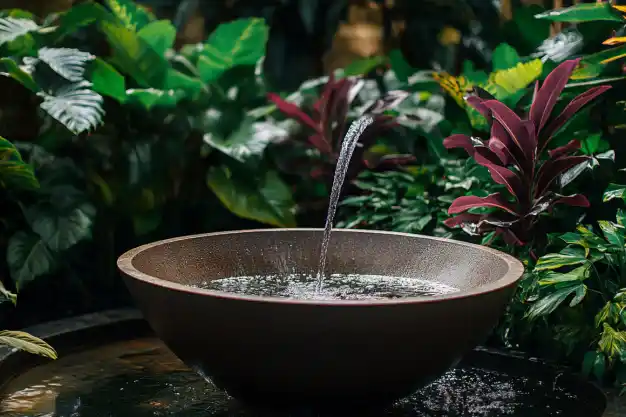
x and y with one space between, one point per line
141 378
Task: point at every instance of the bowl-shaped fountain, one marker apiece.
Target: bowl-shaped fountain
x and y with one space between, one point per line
278 352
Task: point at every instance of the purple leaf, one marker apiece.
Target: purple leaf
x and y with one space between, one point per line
518 131
292 111
503 176
571 146
570 110
478 104
509 237
485 156
547 96
463 218
501 151
320 143
551 169
465 203
459 141
576 200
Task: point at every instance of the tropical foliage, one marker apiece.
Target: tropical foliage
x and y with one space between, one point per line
125 128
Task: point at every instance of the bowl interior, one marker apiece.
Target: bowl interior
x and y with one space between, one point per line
193 260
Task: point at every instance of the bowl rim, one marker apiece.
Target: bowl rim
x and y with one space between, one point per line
512 276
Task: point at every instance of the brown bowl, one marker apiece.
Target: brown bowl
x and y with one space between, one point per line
283 352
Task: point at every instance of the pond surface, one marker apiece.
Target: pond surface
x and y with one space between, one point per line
142 378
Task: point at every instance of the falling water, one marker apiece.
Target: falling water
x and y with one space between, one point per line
347 149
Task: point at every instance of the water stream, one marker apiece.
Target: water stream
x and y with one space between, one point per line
345 155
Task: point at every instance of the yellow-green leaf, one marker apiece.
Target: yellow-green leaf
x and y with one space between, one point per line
132 15
509 81
28 343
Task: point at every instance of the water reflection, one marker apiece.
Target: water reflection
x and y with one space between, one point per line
141 378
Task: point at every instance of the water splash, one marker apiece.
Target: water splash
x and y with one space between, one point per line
345 155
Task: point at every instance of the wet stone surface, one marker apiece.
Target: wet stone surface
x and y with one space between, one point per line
141 378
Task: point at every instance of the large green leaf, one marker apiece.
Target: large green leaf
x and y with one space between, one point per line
68 63
593 65
554 278
567 257
240 42
151 97
135 57
12 70
610 313
77 17
400 66
61 231
613 233
107 81
27 342
176 80
546 305
14 172
159 35
264 198
28 257
12 28
612 342
76 106
248 141
585 238
130 14
614 191
504 57
584 12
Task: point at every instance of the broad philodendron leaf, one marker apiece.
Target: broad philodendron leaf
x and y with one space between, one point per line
159 35
77 17
567 257
504 57
151 97
76 106
28 343
14 172
68 63
240 42
135 57
614 191
546 305
28 257
248 141
61 231
106 80
584 12
12 28
266 199
130 14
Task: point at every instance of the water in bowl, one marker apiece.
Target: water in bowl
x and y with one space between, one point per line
336 287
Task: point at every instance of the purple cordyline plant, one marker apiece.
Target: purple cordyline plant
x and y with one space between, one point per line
327 122
517 157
